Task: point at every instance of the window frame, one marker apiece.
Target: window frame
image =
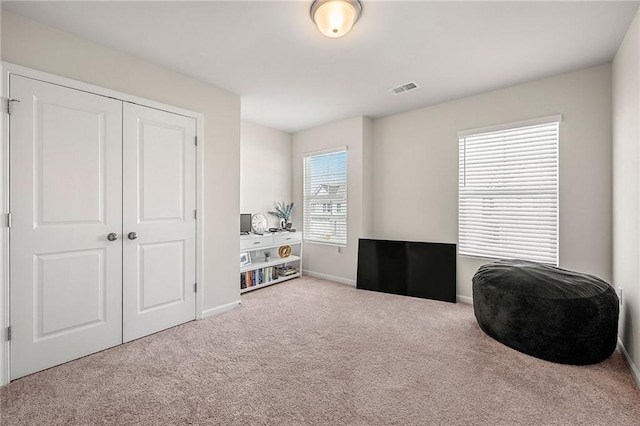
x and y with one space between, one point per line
343 201
475 250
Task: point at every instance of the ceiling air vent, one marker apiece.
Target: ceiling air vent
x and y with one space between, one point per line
412 85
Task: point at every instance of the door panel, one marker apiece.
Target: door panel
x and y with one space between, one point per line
159 200
56 313
161 165
65 197
71 160
162 275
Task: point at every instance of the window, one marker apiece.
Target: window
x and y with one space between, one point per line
325 197
508 191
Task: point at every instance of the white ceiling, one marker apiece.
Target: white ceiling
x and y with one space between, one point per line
290 77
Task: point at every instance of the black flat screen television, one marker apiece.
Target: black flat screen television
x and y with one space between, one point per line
410 268
245 223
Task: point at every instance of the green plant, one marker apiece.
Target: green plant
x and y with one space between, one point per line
283 210
267 253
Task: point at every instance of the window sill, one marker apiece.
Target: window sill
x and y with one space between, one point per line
495 259
324 243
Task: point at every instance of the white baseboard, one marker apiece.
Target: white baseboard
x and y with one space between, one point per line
329 277
220 309
632 367
464 299
459 297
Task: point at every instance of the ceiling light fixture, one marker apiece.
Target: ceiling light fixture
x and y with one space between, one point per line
334 18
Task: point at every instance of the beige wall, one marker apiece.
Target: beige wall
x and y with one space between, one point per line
324 260
626 187
4 241
28 43
367 178
415 173
265 169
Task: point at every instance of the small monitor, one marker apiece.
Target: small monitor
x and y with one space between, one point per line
245 223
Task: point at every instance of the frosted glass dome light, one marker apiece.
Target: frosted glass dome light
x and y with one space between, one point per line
334 18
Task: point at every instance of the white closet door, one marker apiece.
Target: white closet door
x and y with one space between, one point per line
159 202
65 198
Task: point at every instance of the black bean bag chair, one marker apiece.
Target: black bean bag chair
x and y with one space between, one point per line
547 312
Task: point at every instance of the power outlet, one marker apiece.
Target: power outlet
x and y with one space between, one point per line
620 295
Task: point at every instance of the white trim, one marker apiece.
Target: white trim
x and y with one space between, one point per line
309 225
489 193
4 233
220 309
7 69
329 277
460 298
325 151
90 88
464 299
324 243
200 217
632 367
534 121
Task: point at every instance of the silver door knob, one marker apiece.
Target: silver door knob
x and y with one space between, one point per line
112 236
132 235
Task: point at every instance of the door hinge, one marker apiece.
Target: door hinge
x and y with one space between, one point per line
9 334
196 140
195 287
195 214
8 220
9 102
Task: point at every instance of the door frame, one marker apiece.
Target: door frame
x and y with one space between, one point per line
7 69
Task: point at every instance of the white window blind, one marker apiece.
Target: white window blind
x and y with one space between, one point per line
508 191
325 197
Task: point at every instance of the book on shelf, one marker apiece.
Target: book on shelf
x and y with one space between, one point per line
285 271
259 276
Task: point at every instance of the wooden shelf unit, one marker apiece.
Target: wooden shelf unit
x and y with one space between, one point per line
256 245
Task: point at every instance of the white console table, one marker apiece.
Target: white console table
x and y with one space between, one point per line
262 273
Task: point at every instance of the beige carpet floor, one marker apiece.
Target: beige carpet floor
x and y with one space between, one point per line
314 352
